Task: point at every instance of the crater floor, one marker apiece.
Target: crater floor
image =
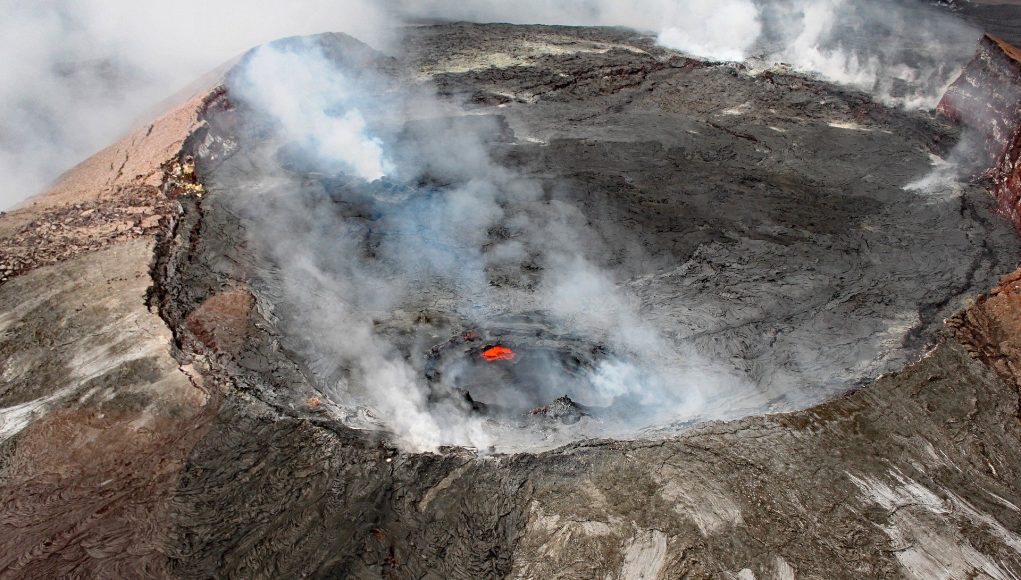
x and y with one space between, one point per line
760 230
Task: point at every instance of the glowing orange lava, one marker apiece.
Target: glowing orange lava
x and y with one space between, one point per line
498 352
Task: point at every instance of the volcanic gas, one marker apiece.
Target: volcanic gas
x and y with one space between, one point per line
688 255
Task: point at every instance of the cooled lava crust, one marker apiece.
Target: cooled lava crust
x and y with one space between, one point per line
795 271
161 419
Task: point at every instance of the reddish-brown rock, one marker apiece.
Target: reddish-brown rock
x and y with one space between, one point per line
987 98
991 328
219 322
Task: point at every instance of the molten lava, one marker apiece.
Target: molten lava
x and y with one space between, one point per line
498 352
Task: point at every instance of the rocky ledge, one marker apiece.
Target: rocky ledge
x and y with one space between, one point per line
987 98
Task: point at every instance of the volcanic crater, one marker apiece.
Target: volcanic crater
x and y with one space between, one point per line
521 301
678 214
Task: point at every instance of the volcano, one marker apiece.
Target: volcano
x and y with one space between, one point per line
520 301
730 269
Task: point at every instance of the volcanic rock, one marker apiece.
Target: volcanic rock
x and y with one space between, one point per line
220 321
562 409
987 98
162 418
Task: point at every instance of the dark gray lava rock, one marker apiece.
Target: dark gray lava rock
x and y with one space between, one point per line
762 219
562 409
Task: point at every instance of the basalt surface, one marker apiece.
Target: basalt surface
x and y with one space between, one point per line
761 221
160 418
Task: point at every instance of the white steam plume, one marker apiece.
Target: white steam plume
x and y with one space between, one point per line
305 94
432 254
329 291
76 74
905 53
724 30
712 29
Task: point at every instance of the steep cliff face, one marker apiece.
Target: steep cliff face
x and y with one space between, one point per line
987 98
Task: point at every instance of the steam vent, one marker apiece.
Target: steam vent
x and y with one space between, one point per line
522 301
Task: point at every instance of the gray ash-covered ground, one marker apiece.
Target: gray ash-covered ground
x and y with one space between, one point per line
756 224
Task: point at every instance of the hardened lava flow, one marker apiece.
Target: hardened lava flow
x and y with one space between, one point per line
513 369
586 307
678 253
